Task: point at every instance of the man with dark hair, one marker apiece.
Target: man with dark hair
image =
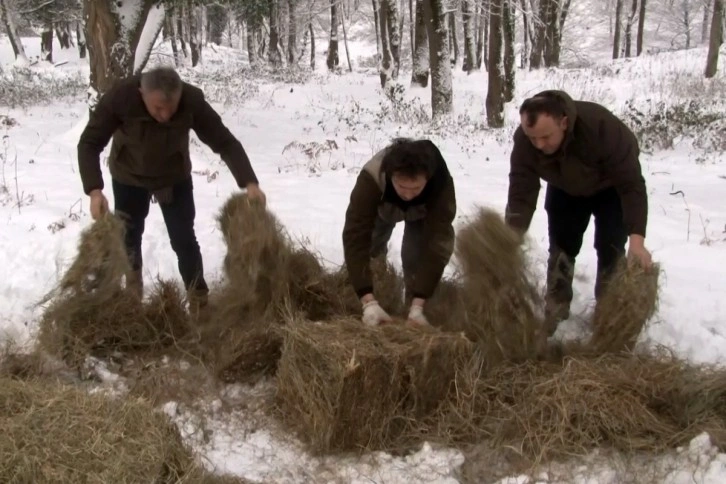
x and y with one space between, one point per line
149 117
408 182
589 159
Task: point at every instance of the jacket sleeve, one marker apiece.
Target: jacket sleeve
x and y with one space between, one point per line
622 166
439 239
524 186
102 123
360 218
211 131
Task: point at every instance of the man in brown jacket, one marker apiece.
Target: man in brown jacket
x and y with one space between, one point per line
149 117
589 160
408 182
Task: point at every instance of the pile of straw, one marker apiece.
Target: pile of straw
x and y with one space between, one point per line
54 433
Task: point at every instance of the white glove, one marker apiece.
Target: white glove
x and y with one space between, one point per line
373 314
416 316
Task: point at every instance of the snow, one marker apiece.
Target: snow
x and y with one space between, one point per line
128 12
686 232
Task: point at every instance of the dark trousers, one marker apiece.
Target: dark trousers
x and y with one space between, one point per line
568 218
132 204
411 246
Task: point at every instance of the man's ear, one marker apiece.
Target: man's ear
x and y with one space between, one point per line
564 123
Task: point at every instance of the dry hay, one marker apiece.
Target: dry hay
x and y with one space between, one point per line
345 386
267 280
625 402
501 301
629 301
55 433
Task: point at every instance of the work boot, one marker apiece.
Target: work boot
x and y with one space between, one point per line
198 299
135 283
560 274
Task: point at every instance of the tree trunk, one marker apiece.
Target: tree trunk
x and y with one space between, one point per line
15 42
376 21
333 58
453 39
467 13
508 27
394 36
629 27
482 29
540 35
526 35
420 71
687 24
312 46
704 23
641 28
81 39
616 36
195 28
553 32
292 32
217 18
170 33
435 12
142 55
111 47
385 65
716 38
275 56
46 42
251 43
495 89
412 27
63 33
345 40
181 31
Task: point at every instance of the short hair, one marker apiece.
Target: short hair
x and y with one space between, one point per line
164 79
548 103
411 158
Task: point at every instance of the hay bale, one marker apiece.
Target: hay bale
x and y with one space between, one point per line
345 386
629 302
501 301
54 433
446 309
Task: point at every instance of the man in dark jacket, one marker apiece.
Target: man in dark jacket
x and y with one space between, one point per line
406 182
149 117
589 160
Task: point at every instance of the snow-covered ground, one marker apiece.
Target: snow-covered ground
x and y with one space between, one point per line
43 210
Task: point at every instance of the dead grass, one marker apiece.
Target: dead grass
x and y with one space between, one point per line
626 306
54 433
500 299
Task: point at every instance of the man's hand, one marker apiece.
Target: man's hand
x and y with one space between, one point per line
373 314
638 252
416 316
99 204
254 193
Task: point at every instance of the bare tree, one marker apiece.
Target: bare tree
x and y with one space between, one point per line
629 27
495 89
527 32
81 40
275 52
312 45
292 32
195 31
6 16
385 66
453 37
435 12
420 71
468 17
216 22
333 59
716 38
376 21
112 40
616 35
394 35
507 19
641 27
482 33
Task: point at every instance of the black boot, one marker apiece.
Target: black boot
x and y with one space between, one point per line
560 274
